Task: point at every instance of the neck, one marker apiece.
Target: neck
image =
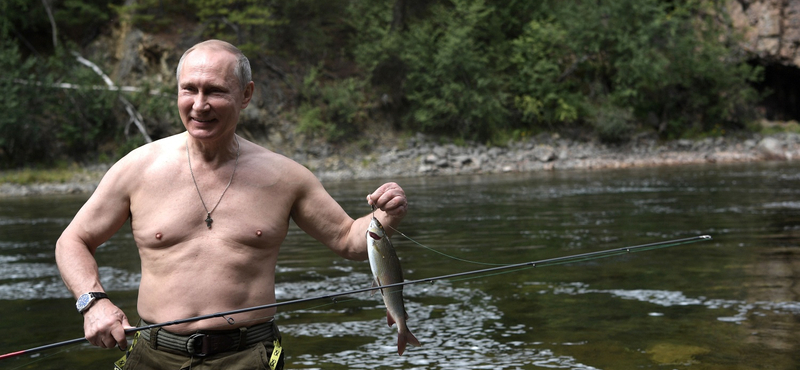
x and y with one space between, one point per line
218 151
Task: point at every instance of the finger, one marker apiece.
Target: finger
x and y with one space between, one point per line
105 343
119 332
94 337
386 193
120 340
395 206
391 202
376 195
94 341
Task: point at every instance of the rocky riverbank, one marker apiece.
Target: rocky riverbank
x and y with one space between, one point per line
420 156
550 152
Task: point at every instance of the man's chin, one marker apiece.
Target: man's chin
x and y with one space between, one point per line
201 130
207 133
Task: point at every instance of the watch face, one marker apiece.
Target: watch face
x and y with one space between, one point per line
83 300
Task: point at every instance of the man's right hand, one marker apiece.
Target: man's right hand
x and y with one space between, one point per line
104 325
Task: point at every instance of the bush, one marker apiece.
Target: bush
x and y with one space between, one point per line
333 110
613 125
539 57
20 139
474 67
452 59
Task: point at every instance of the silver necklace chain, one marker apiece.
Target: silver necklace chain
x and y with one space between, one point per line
208 219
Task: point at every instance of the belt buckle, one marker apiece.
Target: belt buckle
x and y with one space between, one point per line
197 345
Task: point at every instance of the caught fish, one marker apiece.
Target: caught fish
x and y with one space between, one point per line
386 270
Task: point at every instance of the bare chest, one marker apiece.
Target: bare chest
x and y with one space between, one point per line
178 211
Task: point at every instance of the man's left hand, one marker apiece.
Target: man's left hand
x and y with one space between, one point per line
389 198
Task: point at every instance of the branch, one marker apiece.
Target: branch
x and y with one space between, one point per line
52 22
136 118
66 85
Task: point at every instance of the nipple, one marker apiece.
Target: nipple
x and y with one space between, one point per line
158 236
258 232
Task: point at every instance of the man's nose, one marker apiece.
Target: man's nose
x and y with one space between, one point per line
200 102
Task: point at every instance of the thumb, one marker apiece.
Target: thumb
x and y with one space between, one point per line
126 325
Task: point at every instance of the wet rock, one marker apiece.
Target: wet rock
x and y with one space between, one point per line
545 153
772 148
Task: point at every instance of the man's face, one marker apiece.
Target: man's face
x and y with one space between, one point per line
209 94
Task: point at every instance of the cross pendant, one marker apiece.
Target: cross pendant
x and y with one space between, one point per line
209 221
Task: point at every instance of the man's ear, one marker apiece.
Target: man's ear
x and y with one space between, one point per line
248 94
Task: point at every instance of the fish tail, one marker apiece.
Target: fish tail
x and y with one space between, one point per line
405 337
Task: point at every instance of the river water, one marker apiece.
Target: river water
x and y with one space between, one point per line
729 303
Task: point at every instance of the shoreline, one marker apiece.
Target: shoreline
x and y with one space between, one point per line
420 157
552 153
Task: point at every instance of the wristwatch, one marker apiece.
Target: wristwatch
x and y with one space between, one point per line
87 299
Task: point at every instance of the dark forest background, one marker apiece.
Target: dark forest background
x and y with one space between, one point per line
465 70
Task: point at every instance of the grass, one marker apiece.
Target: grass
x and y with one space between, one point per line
768 128
28 176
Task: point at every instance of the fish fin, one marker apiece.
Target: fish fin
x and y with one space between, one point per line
405 337
389 319
377 283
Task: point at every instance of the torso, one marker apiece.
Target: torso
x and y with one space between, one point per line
190 270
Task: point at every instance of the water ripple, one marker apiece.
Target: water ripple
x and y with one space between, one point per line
666 298
788 204
462 333
30 280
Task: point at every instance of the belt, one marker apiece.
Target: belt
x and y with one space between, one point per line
208 342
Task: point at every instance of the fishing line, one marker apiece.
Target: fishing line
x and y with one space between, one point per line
445 254
438 252
38 359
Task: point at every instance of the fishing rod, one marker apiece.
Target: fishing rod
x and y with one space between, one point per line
524 265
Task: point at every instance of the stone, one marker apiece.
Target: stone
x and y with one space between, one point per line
771 148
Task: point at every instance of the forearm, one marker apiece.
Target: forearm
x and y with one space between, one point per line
77 266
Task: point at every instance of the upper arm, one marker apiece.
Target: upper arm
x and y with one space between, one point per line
105 212
320 216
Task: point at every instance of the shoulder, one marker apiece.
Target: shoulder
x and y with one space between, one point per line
134 166
263 161
274 173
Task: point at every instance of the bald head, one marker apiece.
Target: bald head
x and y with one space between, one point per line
241 68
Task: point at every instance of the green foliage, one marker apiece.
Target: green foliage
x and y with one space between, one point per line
242 22
154 15
661 59
452 58
18 135
310 31
474 67
613 124
83 13
27 176
158 106
484 70
334 110
43 120
540 95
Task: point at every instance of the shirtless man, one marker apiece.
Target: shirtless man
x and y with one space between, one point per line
209 211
